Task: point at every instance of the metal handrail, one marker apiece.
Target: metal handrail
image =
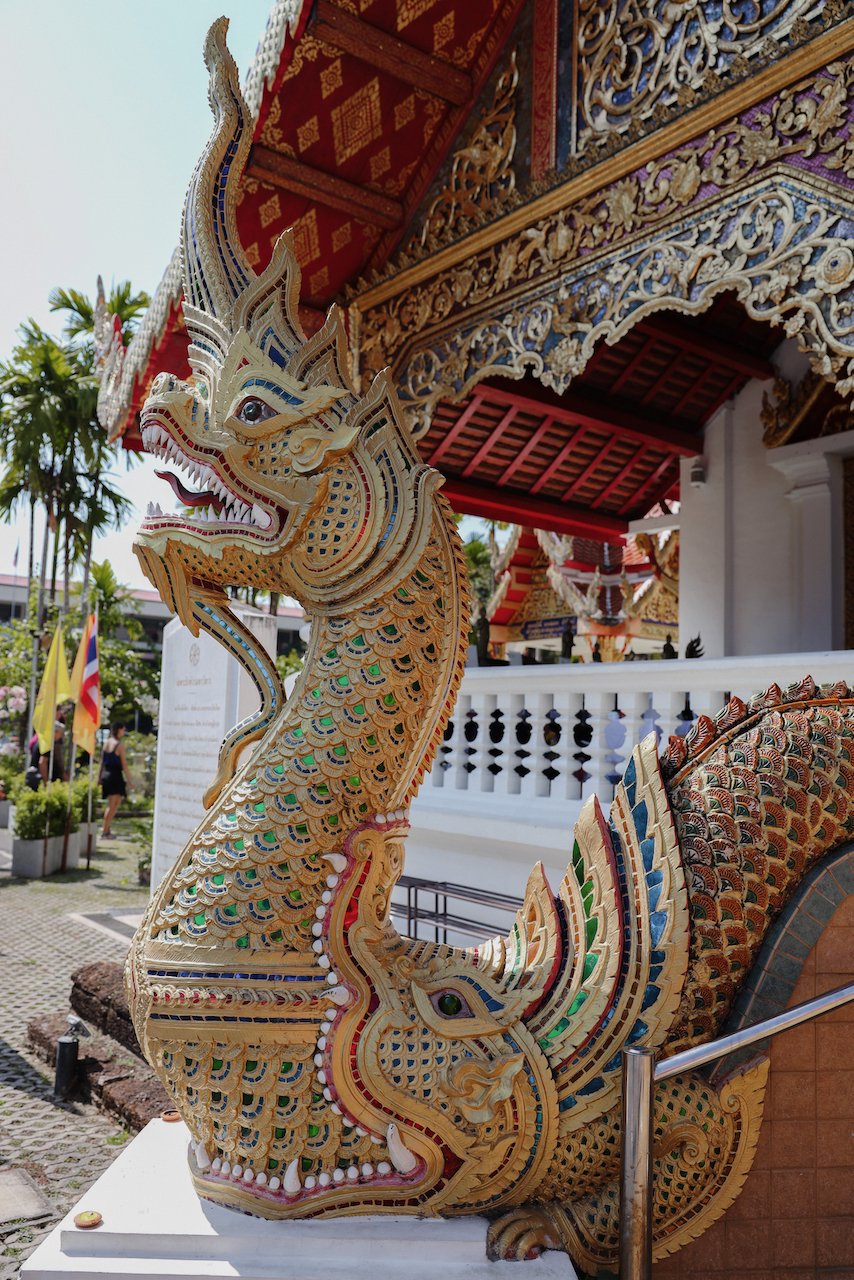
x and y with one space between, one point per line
640 1072
443 921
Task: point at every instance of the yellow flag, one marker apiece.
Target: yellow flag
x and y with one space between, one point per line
86 688
55 688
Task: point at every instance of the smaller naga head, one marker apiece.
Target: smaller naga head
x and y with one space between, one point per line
432 1049
288 481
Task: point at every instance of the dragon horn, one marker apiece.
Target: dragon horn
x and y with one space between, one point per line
215 268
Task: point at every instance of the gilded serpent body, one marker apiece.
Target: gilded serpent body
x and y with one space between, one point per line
323 1063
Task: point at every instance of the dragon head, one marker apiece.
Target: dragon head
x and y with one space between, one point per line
281 471
432 1051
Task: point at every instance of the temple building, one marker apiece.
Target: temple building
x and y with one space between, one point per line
559 597
606 249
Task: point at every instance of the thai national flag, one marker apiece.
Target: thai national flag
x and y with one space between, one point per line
87 713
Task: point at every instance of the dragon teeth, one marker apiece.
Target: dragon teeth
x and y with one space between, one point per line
402 1158
292 1185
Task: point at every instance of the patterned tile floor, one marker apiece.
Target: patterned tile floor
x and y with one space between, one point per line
63 1146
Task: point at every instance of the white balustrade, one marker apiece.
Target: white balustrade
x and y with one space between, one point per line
521 734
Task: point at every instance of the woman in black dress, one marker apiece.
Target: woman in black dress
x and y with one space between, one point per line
114 775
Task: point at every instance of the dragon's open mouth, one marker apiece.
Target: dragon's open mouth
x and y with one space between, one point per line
213 503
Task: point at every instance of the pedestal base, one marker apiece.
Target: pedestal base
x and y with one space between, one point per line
155 1225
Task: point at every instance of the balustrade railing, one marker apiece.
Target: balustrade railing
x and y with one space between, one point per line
565 731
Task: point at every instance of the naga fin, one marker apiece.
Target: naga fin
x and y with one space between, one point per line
627 907
528 960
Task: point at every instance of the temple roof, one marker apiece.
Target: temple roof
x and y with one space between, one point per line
541 576
354 113
359 110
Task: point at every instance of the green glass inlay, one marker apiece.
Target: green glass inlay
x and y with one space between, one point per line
359 709
301 828
259 807
278 768
239 845
389 699
269 837
332 653
371 740
355 780
327 721
322 789
248 1097
230 910
251 1064
306 1164
231 817
217 1064
243 941
218 879
295 895
277 936
313 1130
333 819
308 760
343 681
280 1133
374 669
390 630
287 1068
264 904
199 919
359 641
290 798
339 751
590 929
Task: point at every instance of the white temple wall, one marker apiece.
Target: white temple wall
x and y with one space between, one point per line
760 540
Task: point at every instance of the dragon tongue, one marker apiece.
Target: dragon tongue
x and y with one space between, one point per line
186 496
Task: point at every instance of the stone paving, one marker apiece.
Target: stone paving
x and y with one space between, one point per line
63 1146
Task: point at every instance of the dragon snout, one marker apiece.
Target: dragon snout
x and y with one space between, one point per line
163 384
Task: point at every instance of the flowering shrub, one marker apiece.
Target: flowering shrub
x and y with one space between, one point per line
13 700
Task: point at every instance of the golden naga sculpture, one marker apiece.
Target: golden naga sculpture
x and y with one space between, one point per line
324 1064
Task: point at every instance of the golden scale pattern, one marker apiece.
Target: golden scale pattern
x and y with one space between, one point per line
323 1063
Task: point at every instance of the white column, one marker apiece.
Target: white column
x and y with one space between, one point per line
480 779
535 785
599 707
813 550
566 786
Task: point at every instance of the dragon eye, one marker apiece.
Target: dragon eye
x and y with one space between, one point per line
254 410
450 1004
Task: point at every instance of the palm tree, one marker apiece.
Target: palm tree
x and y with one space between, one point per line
104 505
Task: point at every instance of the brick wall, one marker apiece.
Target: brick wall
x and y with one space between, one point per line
794 1219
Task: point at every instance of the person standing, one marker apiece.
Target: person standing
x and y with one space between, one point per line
114 775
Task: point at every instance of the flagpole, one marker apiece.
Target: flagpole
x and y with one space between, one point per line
89 822
64 862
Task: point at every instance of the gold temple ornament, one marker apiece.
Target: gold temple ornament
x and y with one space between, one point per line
324 1063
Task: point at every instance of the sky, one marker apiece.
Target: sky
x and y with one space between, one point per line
104 109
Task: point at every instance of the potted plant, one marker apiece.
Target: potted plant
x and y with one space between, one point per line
41 815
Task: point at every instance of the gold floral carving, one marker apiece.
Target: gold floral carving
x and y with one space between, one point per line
786 407
482 170
636 58
542 287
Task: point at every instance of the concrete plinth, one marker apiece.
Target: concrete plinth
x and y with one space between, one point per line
155 1225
